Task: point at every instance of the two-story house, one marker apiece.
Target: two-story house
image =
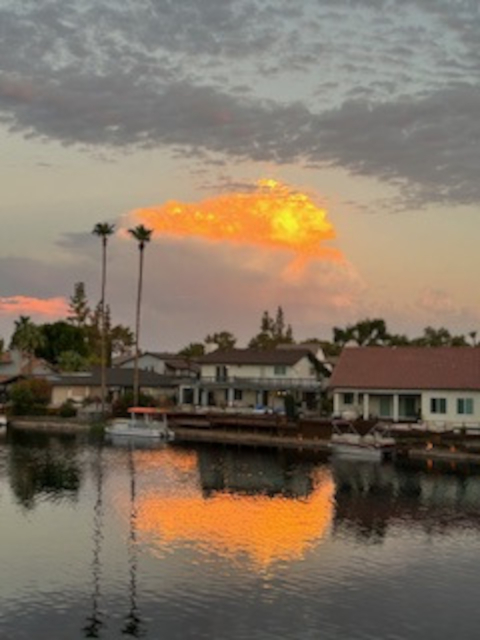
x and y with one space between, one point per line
251 378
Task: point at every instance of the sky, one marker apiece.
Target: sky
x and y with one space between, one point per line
322 156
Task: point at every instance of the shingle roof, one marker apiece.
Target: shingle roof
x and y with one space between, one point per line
287 357
408 368
116 377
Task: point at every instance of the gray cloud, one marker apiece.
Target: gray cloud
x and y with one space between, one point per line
382 88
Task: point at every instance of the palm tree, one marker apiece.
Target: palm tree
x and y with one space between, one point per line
103 230
142 235
27 338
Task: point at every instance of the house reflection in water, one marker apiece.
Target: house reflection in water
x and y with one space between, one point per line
255 504
372 497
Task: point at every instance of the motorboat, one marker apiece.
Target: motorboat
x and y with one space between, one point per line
143 423
376 444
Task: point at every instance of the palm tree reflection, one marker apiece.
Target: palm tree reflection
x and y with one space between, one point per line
132 626
95 621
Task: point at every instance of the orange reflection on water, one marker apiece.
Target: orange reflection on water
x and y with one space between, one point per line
267 529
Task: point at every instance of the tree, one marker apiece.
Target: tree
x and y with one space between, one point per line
60 337
103 230
79 308
223 340
142 235
193 350
30 397
273 331
27 338
439 338
367 332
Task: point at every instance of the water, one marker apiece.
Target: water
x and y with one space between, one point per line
225 543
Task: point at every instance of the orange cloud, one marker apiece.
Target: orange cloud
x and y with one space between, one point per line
23 305
272 215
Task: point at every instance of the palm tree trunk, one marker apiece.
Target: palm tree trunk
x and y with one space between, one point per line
137 329
103 357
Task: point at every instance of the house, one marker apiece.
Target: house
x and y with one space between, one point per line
439 386
15 363
85 386
252 378
162 363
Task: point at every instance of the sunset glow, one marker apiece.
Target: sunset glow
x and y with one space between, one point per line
272 215
23 305
266 528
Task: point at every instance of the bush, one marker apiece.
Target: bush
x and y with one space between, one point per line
67 409
30 397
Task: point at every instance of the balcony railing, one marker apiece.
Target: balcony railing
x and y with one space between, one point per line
279 383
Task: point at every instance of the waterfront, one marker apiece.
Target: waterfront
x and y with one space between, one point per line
214 543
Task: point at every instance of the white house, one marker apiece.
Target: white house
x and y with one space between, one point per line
162 363
438 386
251 378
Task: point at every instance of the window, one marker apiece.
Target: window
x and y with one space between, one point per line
465 406
438 405
348 398
238 394
280 370
385 406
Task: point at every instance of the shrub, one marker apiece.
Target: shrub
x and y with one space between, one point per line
30 397
67 409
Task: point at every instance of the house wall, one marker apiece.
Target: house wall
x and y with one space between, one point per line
302 369
76 393
147 362
451 418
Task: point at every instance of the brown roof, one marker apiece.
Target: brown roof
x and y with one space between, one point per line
408 368
255 356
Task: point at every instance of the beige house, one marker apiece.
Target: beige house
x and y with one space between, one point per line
437 386
163 363
255 379
85 386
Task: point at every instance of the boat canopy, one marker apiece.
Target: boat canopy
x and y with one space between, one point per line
149 411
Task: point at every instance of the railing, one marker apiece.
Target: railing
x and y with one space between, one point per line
279 382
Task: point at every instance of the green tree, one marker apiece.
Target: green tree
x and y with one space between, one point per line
59 337
367 332
79 307
27 338
72 361
223 340
103 230
440 337
193 350
273 331
30 397
142 235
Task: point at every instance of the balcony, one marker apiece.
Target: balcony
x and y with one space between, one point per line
279 383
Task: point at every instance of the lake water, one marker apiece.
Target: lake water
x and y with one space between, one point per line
225 543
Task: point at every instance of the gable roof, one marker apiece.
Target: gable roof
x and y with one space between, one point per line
287 357
115 377
408 368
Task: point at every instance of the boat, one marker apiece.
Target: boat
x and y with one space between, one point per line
143 423
346 441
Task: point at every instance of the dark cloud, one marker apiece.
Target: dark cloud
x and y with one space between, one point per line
382 88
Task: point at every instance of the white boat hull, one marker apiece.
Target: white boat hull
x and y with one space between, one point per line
141 429
140 432
367 447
